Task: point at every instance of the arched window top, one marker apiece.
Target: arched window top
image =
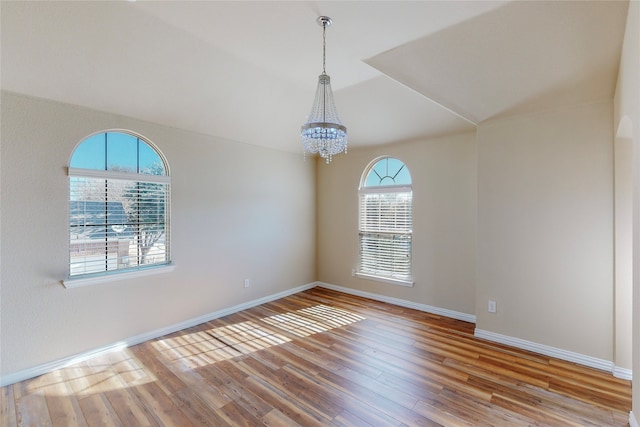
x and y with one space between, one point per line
119 151
386 172
385 219
119 194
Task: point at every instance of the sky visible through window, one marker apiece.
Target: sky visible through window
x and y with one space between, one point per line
118 203
388 171
117 151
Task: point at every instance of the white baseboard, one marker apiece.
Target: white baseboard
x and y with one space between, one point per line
491 336
570 356
622 373
402 303
593 362
633 422
61 363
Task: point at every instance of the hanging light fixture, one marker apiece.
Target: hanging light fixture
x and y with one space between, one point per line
323 132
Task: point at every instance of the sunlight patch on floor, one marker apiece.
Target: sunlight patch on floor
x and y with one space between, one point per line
120 369
112 371
312 320
193 350
215 345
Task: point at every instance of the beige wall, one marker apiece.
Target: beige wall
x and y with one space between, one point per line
238 211
443 172
545 228
627 122
623 295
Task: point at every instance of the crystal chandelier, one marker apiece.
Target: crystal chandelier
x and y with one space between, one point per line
323 132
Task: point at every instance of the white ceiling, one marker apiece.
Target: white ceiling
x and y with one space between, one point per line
247 71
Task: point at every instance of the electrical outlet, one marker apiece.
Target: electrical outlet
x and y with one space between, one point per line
492 306
247 283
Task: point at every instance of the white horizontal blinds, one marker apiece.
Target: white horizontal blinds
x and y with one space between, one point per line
118 205
386 212
116 224
385 234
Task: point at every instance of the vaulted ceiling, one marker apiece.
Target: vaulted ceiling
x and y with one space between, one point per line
247 71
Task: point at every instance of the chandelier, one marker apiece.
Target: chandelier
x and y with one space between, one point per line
323 132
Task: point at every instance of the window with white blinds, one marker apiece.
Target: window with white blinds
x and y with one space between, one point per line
118 206
386 222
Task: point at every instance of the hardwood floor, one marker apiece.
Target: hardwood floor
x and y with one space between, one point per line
320 358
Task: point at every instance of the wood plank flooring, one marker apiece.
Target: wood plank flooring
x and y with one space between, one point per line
320 358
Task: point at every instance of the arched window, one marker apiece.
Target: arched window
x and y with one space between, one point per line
118 205
385 222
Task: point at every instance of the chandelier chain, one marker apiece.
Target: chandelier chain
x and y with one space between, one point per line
324 47
324 61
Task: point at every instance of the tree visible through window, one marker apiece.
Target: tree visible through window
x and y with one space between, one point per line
118 205
385 221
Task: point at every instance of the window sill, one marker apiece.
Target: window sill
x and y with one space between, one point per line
114 277
407 283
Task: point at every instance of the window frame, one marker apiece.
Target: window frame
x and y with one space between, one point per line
365 190
136 178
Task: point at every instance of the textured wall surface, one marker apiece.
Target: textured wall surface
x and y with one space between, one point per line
237 211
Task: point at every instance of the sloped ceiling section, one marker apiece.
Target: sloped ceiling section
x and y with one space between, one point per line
521 57
247 71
